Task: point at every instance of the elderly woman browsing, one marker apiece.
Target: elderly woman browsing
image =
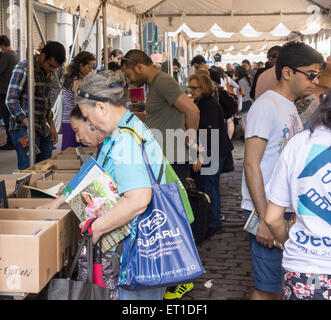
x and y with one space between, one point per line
103 104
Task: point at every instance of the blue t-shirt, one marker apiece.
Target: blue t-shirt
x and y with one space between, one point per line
121 156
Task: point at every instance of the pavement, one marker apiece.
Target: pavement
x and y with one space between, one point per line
226 256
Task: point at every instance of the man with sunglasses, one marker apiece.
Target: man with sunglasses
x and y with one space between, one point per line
51 57
271 122
262 83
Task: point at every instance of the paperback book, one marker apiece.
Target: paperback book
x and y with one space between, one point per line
253 223
91 193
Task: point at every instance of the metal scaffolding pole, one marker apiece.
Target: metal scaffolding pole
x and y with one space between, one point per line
74 41
35 18
105 35
170 56
32 135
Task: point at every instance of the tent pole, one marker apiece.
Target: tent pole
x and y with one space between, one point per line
32 136
170 56
74 41
105 35
35 18
141 33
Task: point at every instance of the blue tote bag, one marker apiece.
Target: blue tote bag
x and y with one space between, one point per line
160 251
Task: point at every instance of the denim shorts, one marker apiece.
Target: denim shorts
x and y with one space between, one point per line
267 264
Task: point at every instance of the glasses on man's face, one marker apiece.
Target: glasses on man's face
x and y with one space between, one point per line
122 61
310 76
51 65
193 88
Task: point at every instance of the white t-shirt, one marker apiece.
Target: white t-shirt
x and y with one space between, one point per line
302 180
274 118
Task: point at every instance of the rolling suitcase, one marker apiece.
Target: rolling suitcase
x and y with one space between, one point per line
200 204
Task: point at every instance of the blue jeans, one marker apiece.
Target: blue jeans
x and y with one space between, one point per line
210 184
45 145
142 294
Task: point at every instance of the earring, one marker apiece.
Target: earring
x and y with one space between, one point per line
92 128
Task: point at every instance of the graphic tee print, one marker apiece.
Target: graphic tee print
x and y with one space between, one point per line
302 180
289 132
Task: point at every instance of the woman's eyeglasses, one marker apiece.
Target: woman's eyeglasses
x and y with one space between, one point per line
310 76
193 87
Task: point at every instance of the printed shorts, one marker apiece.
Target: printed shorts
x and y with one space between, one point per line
307 286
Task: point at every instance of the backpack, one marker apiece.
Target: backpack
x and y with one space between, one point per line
228 103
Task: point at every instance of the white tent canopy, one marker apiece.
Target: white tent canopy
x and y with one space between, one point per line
201 15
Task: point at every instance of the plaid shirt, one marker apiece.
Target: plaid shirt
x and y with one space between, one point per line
17 98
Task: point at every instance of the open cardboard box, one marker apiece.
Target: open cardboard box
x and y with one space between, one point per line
30 203
59 176
27 255
65 157
10 181
72 151
56 165
33 203
62 218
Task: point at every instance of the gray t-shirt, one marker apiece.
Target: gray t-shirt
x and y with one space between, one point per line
162 115
8 60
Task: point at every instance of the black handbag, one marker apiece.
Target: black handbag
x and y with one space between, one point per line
68 289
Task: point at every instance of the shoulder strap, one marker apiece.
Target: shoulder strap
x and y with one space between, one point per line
140 139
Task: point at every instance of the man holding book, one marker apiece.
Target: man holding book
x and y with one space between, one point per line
271 122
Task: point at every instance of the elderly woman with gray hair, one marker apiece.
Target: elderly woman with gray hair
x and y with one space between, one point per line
102 101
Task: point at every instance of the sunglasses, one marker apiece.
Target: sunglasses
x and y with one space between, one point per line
310 76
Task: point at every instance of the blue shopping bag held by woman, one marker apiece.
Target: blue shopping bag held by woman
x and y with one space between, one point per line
160 250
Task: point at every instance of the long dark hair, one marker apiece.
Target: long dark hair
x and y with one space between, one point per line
242 73
73 71
322 116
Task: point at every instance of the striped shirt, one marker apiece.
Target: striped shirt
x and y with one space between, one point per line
68 104
17 98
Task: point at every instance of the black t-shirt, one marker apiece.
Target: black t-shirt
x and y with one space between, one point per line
212 117
8 60
215 74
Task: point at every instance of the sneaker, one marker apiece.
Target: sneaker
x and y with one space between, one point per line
175 293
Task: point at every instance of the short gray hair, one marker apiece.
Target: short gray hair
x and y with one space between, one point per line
106 85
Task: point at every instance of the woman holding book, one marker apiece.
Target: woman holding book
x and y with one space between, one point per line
302 180
104 105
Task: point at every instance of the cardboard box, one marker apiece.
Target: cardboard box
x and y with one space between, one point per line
33 203
10 181
62 218
56 165
30 203
59 176
72 151
65 157
27 259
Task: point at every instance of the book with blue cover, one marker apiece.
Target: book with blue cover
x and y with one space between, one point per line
92 193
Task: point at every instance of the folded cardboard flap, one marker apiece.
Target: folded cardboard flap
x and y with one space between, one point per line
28 261
31 203
57 176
